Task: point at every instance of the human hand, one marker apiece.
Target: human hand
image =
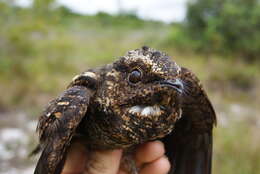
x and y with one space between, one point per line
149 157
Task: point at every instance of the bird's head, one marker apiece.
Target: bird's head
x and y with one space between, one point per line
138 96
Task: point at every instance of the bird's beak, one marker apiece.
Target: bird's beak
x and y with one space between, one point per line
175 84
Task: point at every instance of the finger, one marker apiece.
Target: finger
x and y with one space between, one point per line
149 152
104 162
159 166
76 159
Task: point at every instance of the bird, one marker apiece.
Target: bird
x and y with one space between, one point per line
140 97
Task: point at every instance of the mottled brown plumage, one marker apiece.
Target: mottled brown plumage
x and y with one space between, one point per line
142 96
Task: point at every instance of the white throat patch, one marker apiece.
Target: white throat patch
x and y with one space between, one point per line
146 110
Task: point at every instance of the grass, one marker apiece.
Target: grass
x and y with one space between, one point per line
236 149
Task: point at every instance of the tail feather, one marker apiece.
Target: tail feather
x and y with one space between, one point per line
35 151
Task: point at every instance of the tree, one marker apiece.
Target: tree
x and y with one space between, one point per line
225 26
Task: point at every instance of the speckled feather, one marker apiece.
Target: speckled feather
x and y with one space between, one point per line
142 96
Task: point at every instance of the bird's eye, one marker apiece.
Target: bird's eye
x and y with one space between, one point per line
135 76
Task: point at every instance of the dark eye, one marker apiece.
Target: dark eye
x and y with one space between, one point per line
135 76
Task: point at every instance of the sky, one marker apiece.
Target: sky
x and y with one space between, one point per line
164 10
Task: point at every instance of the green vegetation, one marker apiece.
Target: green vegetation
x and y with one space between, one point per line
229 27
42 48
39 54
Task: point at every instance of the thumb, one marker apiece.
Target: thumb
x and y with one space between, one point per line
104 162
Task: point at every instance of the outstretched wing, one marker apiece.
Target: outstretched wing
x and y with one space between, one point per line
189 146
57 126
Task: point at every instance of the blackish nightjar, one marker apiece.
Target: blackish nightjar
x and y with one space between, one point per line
142 96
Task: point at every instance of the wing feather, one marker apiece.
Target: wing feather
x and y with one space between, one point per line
57 126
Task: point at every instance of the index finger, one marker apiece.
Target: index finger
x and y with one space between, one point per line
149 152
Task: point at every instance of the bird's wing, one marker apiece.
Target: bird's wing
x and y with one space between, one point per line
57 125
189 146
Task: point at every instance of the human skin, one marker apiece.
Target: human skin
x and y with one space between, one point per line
149 157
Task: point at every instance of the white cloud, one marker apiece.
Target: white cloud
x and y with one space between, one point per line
23 3
165 10
90 6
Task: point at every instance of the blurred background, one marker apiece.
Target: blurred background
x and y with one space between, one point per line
43 44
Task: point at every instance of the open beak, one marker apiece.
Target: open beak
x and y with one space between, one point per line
175 84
